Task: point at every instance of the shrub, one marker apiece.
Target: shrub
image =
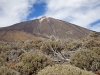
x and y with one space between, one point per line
3 59
63 70
7 71
93 34
32 44
3 56
91 43
86 59
32 63
96 50
92 40
28 47
51 46
4 48
72 46
2 62
36 42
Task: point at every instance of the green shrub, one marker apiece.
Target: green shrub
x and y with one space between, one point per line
50 46
2 62
28 47
93 34
3 59
4 48
32 44
91 43
3 56
86 59
7 71
92 40
36 42
72 46
96 50
63 70
32 63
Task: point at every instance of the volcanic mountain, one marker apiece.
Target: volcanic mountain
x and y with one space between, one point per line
42 28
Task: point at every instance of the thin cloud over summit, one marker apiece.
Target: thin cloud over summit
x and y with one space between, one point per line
80 12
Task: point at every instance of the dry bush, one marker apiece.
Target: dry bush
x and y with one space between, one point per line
31 63
28 47
92 40
4 57
7 71
32 44
86 59
72 46
63 70
4 48
50 47
91 43
2 62
93 34
95 49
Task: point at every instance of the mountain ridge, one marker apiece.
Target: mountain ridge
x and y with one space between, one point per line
44 28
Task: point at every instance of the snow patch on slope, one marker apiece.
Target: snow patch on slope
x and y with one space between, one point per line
43 18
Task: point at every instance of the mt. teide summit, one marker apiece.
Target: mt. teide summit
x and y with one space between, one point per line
42 28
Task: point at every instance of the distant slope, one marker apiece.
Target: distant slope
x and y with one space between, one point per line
42 28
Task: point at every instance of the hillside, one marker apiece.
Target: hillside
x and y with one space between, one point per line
42 28
62 56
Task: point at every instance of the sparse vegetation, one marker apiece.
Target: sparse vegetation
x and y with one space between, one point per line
32 45
31 63
7 71
50 47
95 49
86 59
63 70
29 57
2 62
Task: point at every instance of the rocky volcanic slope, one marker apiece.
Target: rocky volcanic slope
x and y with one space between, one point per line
42 28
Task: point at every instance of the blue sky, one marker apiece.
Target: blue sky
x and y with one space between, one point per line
95 22
39 9
84 13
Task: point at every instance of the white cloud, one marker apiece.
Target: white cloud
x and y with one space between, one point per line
14 11
79 12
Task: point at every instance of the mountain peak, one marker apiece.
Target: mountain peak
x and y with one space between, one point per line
42 28
43 18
